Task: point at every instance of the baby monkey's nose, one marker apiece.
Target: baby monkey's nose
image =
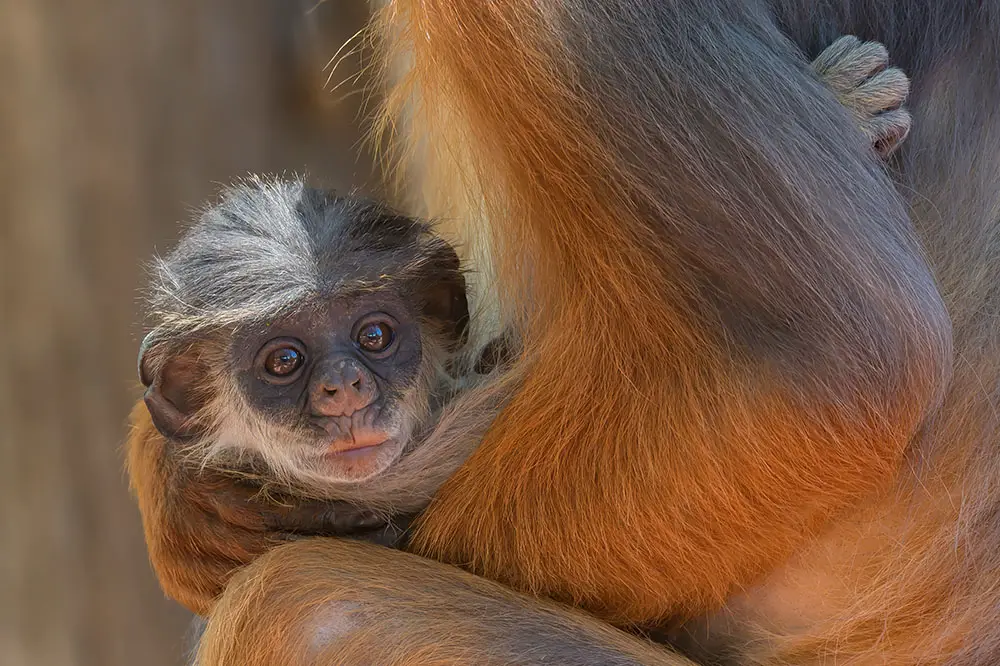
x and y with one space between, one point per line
342 387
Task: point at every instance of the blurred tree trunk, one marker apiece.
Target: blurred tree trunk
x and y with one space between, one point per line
116 118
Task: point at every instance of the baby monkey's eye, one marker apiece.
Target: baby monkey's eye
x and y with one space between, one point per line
283 362
376 336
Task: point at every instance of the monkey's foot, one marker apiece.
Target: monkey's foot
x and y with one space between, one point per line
859 75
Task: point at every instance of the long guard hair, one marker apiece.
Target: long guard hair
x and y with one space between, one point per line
732 333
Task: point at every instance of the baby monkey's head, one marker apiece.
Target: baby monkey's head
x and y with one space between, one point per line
303 333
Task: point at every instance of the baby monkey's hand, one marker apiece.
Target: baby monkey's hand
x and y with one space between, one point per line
341 519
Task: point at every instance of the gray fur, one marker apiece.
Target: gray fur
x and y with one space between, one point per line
264 249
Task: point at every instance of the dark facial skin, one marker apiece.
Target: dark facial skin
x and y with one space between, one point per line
336 371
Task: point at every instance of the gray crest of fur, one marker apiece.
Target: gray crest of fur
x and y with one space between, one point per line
271 245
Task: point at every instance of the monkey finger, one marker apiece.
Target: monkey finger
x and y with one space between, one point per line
284 537
848 62
394 534
885 91
322 518
233 503
887 130
498 352
830 58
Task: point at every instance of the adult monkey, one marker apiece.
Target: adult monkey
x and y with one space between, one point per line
799 444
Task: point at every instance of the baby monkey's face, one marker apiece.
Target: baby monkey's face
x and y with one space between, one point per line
331 391
343 378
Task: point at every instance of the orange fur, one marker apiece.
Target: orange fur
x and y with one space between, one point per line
615 493
351 603
654 467
201 526
152 482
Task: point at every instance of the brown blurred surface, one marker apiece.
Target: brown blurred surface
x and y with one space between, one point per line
116 118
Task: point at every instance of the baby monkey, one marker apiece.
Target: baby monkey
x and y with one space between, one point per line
309 349
308 344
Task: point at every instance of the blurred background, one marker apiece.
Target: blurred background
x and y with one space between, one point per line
117 117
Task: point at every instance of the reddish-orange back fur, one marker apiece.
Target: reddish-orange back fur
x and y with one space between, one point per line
642 472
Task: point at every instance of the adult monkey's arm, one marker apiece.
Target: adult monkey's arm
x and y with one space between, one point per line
341 603
732 332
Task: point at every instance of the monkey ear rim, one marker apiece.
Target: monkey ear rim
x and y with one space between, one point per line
445 296
168 392
144 372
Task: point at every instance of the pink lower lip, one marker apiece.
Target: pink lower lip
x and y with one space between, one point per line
353 450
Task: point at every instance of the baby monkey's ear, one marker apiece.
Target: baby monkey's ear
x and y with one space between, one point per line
174 387
444 294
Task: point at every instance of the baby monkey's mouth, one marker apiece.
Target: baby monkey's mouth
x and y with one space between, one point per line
358 440
356 432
